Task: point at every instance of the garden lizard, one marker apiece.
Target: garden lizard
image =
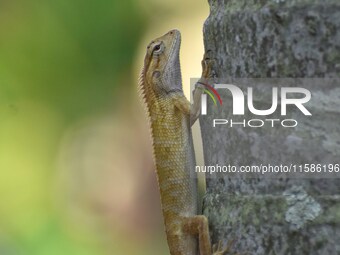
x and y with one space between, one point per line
169 112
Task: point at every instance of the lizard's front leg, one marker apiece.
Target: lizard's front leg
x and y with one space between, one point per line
207 72
180 101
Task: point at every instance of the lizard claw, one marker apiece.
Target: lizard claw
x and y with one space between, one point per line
218 250
207 66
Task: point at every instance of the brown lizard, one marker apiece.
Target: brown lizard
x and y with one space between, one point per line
169 112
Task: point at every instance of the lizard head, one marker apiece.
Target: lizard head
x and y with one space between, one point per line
162 73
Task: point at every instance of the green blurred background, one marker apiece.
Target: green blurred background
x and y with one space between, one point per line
76 170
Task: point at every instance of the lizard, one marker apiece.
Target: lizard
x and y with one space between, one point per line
171 116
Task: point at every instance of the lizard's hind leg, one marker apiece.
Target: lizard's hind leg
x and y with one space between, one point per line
198 225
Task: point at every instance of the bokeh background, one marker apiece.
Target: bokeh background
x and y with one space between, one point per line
76 170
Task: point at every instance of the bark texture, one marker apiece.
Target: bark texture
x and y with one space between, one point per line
287 39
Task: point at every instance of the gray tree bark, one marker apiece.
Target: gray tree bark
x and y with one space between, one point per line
287 39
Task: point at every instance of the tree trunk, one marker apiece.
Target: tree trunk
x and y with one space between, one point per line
275 39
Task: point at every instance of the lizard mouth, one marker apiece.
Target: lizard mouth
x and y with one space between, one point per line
172 69
176 41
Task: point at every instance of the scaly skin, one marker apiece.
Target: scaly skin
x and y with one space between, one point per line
169 112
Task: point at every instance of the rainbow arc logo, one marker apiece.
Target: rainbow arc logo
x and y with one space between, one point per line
210 89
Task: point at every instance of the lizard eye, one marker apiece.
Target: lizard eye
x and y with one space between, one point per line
157 48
